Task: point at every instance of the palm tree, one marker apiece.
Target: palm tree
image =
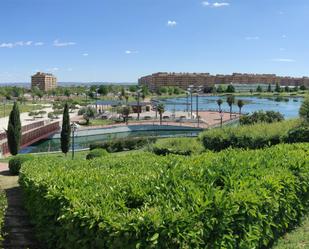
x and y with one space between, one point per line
240 104
219 102
125 111
161 109
230 101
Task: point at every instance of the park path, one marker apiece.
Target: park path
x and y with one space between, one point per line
19 233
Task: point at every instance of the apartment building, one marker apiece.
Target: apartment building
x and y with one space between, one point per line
44 81
162 79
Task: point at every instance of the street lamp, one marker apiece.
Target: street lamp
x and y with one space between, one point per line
190 90
74 129
138 103
197 90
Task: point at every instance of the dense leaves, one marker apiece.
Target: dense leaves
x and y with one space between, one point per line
3 206
231 199
261 117
16 162
66 130
14 130
248 136
96 153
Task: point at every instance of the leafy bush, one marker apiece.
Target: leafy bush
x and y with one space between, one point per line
16 162
96 153
123 144
248 136
261 117
3 206
180 146
231 199
297 135
304 110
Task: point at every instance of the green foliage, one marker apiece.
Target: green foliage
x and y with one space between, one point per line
297 135
96 153
3 207
230 89
179 146
103 90
66 130
304 110
123 144
277 89
232 199
14 130
248 136
16 162
259 89
261 117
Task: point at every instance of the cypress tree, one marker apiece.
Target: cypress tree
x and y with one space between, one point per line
66 130
14 130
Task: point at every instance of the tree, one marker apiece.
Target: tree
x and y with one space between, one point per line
66 130
220 89
230 89
125 111
240 104
230 101
103 90
161 110
259 89
302 88
277 89
286 89
304 110
40 94
219 102
67 93
269 88
14 130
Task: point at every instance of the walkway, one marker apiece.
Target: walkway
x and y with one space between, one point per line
19 233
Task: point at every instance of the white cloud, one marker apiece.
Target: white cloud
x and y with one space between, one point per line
205 3
283 60
85 54
38 44
218 5
57 43
250 38
171 23
70 69
284 36
281 12
282 49
54 69
215 4
19 44
131 52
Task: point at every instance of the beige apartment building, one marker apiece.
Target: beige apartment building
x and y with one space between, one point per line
183 80
44 81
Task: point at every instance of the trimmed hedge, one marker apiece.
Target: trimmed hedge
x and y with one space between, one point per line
231 199
16 162
297 135
248 136
179 146
261 117
3 206
124 144
96 153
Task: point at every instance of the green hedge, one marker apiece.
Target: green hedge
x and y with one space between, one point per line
231 199
16 162
3 206
123 144
248 136
179 146
96 153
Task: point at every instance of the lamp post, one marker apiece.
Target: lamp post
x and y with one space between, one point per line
74 129
221 117
138 103
190 90
197 90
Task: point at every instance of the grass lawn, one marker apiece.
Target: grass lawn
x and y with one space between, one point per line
297 239
5 110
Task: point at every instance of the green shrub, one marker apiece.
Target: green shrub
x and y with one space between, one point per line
297 135
96 153
123 144
248 136
16 162
231 199
261 117
179 146
3 206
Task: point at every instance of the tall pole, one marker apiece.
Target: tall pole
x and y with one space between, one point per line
73 131
96 99
188 103
191 103
138 105
197 115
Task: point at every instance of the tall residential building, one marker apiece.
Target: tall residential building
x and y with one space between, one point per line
44 81
183 80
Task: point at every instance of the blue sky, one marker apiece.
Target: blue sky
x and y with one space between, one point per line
121 40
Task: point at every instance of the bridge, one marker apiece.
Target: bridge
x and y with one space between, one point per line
31 133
